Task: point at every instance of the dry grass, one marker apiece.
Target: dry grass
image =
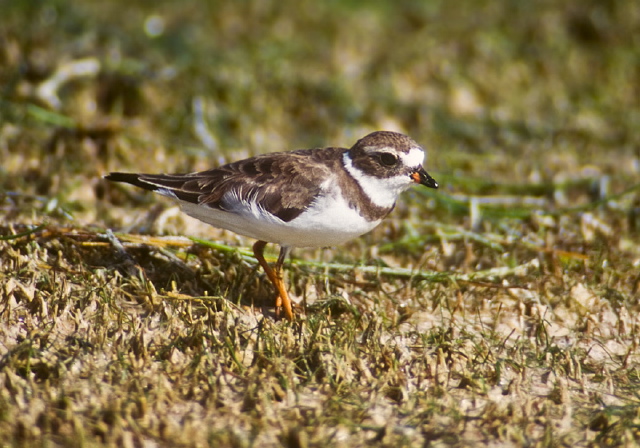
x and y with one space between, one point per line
501 309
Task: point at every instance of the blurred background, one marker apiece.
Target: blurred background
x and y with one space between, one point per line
529 111
538 98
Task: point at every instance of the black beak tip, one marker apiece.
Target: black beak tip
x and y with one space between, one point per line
426 180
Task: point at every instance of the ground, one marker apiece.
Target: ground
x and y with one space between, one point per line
501 309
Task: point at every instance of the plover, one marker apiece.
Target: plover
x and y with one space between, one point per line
305 198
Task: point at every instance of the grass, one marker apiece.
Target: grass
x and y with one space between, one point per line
499 310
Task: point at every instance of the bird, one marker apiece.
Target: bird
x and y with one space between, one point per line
317 197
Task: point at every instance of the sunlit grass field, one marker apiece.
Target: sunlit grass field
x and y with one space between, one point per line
500 310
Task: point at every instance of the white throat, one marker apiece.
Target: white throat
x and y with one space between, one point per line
383 192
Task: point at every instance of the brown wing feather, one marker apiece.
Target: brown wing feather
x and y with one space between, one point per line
284 184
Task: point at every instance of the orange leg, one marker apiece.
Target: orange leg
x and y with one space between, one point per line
276 277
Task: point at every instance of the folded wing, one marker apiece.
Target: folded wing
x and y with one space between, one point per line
282 185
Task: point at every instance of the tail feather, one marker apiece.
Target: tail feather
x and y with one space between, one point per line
171 185
131 178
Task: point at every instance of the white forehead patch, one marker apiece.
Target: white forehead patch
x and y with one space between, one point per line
413 158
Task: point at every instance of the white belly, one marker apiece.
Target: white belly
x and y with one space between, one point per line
329 222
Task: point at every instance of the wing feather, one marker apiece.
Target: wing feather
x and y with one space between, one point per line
283 184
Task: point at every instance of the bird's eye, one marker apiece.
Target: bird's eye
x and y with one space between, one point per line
388 159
